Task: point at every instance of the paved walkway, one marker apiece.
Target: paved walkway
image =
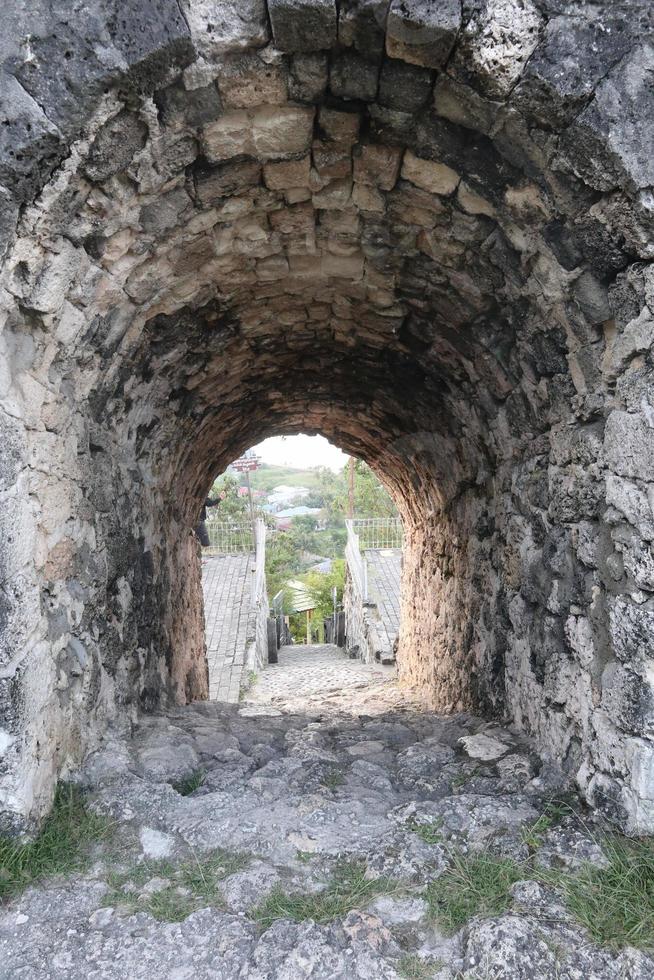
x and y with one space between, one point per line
384 569
226 583
321 673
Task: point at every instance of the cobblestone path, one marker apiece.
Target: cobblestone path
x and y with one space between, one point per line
314 671
304 836
226 584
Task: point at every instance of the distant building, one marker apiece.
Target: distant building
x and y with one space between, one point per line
282 495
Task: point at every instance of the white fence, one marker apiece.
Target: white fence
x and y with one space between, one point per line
226 538
377 532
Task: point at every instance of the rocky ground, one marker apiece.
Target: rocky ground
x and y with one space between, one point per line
266 842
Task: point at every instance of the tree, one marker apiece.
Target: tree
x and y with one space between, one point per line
320 586
371 499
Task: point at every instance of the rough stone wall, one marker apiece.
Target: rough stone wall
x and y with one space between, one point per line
422 229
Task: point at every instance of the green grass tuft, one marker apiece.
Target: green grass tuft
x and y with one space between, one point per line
476 884
189 784
333 779
193 884
615 904
414 967
348 889
62 846
427 831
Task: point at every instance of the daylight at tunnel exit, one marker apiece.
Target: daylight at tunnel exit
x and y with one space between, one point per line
327 489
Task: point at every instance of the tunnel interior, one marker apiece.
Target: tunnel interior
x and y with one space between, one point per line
401 226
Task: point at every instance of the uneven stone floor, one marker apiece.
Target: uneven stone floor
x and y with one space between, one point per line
352 776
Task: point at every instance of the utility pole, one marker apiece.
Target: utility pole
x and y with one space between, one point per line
351 489
243 465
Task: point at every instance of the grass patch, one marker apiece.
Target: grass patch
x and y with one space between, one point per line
414 967
188 784
333 779
472 885
462 778
191 885
347 889
429 832
615 904
552 815
62 846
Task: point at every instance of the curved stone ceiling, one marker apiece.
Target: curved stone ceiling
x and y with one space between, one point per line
422 229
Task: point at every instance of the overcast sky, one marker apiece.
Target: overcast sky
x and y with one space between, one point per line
301 452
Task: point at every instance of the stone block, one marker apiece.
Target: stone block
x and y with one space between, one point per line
343 266
287 174
404 87
473 203
70 61
495 45
631 628
179 107
308 77
361 25
30 145
114 147
336 195
165 212
331 160
629 445
574 54
248 81
232 177
462 105
612 141
422 32
627 698
368 198
219 27
303 25
352 77
634 503
269 133
378 165
433 177
341 127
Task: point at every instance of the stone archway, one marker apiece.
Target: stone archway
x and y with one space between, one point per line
411 227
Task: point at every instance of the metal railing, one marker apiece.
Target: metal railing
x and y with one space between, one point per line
377 532
226 538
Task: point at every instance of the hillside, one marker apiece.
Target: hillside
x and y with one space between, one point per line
268 476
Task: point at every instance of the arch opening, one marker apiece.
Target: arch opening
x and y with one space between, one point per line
438 263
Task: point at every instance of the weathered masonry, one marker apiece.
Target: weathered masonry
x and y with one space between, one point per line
424 229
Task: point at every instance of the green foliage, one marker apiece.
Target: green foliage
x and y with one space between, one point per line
348 889
321 587
62 846
189 886
188 784
615 903
232 507
429 832
414 967
475 884
371 499
333 778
